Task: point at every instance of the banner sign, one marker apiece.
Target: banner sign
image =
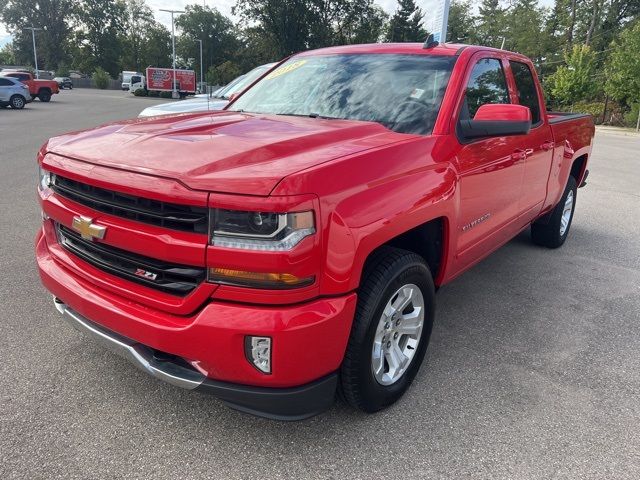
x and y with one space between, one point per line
440 20
161 79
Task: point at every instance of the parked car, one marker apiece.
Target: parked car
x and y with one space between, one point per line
42 89
204 102
291 245
64 82
13 93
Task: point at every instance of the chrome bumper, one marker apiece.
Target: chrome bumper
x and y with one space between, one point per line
140 355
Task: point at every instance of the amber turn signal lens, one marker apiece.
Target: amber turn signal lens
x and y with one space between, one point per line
257 279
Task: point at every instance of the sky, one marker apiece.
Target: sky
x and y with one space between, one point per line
225 7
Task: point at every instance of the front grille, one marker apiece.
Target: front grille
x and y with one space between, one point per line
167 277
168 215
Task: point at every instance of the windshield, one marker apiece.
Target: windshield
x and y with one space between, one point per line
126 77
246 80
401 92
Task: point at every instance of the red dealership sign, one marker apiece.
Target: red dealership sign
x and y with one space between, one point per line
161 78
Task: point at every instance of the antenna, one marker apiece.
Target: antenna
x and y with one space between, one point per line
430 42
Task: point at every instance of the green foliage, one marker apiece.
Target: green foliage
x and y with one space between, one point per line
220 39
140 92
595 109
462 26
623 70
62 70
7 55
101 78
575 81
153 93
223 73
54 16
491 23
631 118
166 94
101 26
406 23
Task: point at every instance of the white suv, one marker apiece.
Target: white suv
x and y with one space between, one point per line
13 93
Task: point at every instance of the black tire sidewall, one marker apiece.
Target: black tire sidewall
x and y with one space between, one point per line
374 395
44 97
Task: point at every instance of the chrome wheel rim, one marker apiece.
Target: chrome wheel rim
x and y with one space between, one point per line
398 334
17 102
566 213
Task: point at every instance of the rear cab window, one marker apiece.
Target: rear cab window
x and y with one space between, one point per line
527 92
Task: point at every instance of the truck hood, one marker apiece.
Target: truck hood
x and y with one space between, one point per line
226 152
199 104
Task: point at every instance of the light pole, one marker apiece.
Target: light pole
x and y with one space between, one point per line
201 76
174 93
35 55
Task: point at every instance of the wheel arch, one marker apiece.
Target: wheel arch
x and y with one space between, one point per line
578 168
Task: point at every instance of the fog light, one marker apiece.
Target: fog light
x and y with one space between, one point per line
258 352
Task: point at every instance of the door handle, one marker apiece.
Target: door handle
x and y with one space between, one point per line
519 154
548 145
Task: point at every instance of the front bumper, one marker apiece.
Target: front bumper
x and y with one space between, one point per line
277 403
308 342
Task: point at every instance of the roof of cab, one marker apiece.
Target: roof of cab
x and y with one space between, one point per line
447 49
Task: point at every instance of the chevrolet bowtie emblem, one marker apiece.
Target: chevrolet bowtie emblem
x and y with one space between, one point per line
87 230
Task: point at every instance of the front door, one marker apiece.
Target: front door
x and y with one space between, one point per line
491 170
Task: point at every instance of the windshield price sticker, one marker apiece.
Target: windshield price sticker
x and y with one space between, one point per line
285 69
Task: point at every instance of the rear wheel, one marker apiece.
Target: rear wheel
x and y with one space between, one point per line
17 101
391 330
552 230
44 95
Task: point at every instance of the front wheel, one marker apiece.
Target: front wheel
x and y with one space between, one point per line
17 102
552 230
391 329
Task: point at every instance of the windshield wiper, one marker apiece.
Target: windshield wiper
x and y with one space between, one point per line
308 115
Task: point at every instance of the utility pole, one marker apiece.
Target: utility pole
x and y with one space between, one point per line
35 55
174 93
201 76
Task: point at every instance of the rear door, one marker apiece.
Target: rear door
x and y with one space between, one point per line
5 89
490 169
538 144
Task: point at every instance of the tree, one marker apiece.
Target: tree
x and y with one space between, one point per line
523 24
623 70
462 23
156 46
53 16
491 23
137 23
223 73
362 22
575 81
217 32
406 23
285 24
101 26
7 55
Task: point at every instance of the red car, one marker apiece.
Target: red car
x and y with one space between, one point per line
291 246
42 89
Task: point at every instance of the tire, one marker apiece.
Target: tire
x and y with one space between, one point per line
17 102
552 230
44 96
386 273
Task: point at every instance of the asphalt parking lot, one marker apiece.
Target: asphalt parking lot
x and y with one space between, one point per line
533 369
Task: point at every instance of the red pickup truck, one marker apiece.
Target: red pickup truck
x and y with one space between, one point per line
42 89
291 246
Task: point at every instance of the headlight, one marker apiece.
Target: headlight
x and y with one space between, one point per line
45 178
260 230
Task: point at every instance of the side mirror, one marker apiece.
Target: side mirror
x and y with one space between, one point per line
497 120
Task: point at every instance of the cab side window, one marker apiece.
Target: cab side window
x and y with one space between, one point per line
527 93
487 84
